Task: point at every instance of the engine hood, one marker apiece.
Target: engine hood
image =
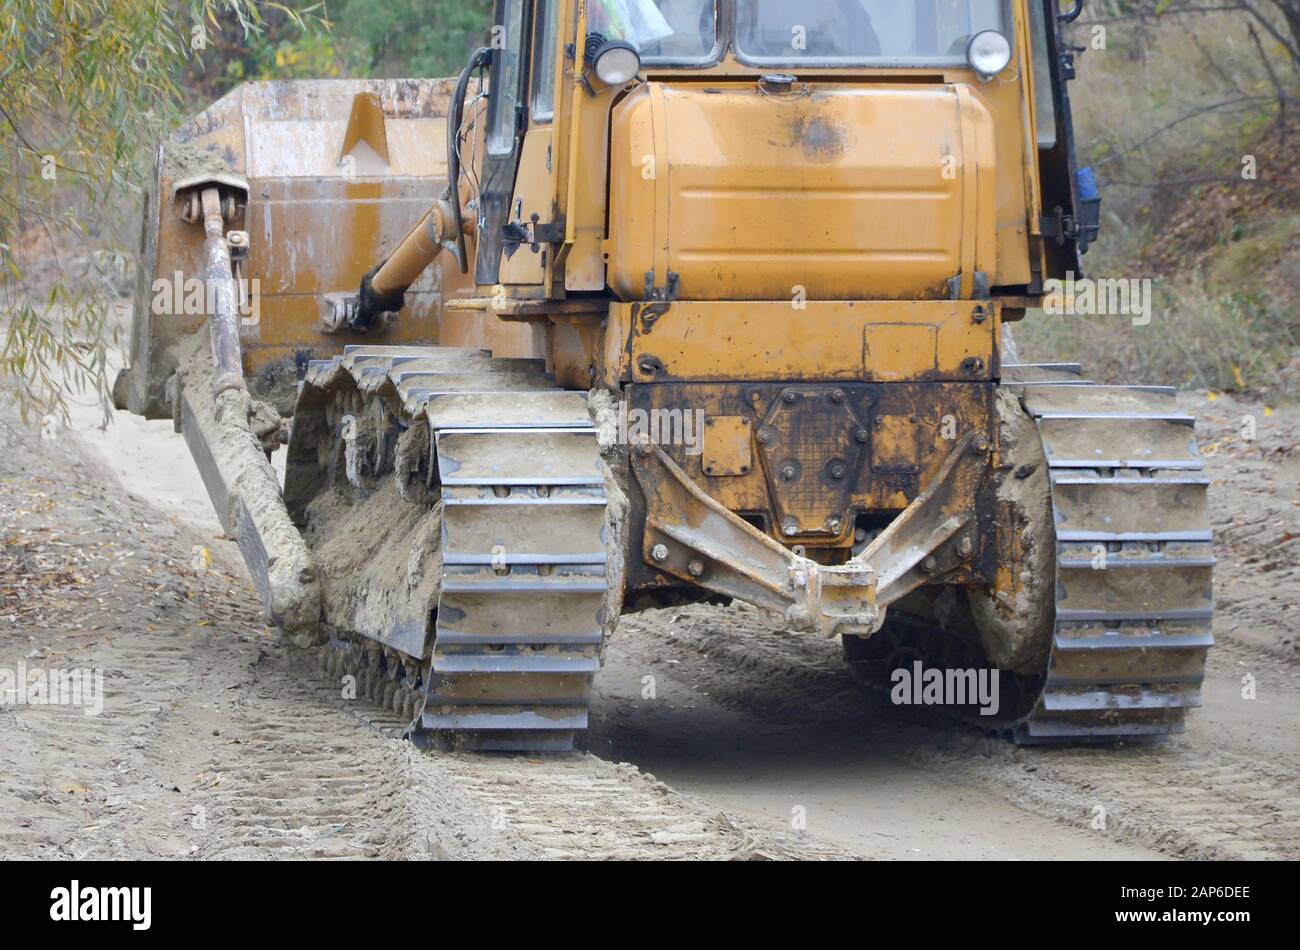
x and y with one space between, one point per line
825 192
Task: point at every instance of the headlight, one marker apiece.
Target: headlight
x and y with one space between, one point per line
988 53
616 62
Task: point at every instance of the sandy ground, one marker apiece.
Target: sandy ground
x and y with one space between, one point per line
214 742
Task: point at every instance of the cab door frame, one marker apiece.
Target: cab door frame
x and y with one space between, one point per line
501 168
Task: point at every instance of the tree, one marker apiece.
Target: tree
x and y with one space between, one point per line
1279 19
401 38
86 89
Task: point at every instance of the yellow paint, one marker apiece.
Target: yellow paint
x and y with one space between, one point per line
534 195
848 193
728 446
899 351
822 340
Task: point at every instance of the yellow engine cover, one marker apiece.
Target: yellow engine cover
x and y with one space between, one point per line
826 192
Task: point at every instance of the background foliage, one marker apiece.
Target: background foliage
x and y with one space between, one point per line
85 87
1174 106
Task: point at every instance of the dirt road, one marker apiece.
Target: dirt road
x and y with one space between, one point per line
215 742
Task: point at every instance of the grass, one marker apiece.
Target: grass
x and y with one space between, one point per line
1197 338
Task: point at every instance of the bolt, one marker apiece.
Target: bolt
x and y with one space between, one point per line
966 547
788 473
790 397
696 568
981 443
766 436
837 471
862 435
755 396
929 565
659 552
833 525
837 396
790 528
646 449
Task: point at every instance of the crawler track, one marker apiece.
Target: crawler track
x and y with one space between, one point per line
1133 568
1134 560
499 653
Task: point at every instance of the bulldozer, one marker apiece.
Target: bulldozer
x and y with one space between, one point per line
665 302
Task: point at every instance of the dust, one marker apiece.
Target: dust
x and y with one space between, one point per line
187 160
412 449
379 559
615 466
1252 457
736 703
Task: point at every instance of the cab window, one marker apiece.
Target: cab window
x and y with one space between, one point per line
1044 97
665 32
507 76
863 32
544 59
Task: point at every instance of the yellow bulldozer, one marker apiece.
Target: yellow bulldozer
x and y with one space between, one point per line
665 302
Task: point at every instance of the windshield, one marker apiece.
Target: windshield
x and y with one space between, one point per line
678 31
788 32
875 32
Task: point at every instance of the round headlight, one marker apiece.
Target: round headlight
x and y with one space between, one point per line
616 63
989 53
